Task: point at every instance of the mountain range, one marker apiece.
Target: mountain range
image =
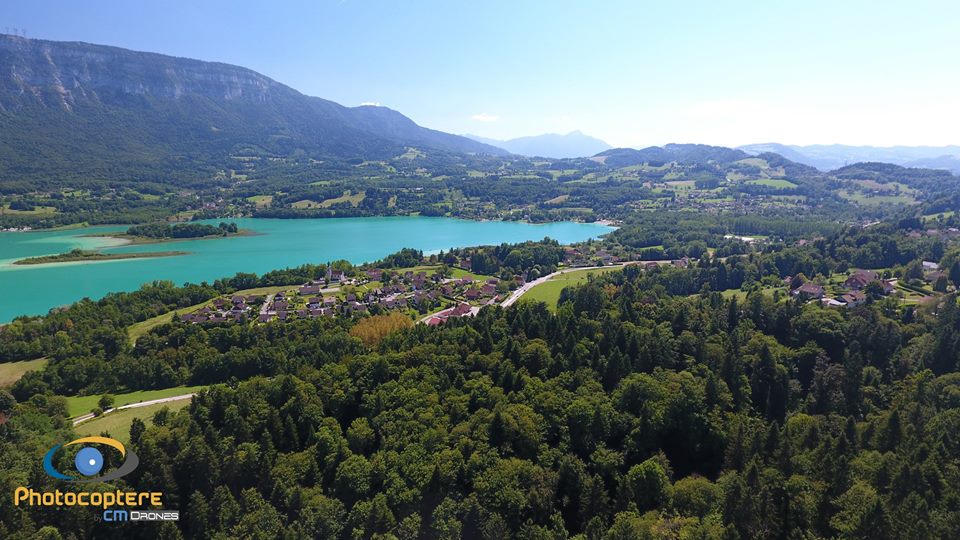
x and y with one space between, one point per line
78 110
551 145
833 156
103 111
680 153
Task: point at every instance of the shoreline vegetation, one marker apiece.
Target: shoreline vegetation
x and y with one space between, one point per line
136 240
154 233
83 255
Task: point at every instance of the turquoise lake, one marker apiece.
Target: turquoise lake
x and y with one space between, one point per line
279 243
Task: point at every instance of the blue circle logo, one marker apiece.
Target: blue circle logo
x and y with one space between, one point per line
89 461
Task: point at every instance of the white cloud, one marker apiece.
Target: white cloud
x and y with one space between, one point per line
484 117
371 104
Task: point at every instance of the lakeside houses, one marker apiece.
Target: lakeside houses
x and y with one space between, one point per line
934 275
859 280
379 291
887 287
460 310
856 286
809 291
309 288
375 291
950 233
853 298
334 275
236 309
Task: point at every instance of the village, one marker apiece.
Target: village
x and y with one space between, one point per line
431 297
434 294
863 285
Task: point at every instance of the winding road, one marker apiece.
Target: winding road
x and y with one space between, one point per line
519 292
515 295
83 418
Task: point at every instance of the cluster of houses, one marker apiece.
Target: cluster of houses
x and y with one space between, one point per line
856 285
398 292
949 233
470 290
575 257
462 309
283 306
579 256
237 308
932 272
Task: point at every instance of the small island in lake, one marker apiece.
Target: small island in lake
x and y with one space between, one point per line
78 255
152 233
181 231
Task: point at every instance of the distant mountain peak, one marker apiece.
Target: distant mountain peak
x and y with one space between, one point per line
828 157
551 145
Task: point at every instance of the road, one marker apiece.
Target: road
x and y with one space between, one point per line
88 416
515 295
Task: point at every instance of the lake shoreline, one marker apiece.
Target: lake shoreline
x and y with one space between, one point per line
93 256
86 225
279 244
130 240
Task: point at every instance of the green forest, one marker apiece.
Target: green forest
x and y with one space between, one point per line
650 405
764 346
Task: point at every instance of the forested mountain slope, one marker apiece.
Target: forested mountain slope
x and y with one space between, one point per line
79 109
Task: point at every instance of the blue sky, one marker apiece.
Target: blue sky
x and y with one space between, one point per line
633 73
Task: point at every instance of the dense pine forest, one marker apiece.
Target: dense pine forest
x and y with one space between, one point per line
648 405
755 343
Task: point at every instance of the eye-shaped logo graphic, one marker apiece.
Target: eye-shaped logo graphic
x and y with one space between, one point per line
89 461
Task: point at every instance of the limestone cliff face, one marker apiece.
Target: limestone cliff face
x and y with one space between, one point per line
158 105
60 73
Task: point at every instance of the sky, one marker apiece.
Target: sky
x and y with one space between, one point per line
634 73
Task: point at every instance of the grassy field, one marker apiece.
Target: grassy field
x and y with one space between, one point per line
37 211
755 161
11 372
742 295
117 423
135 330
261 201
549 291
560 199
944 215
889 187
353 199
306 203
875 200
458 273
79 405
777 183
411 153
